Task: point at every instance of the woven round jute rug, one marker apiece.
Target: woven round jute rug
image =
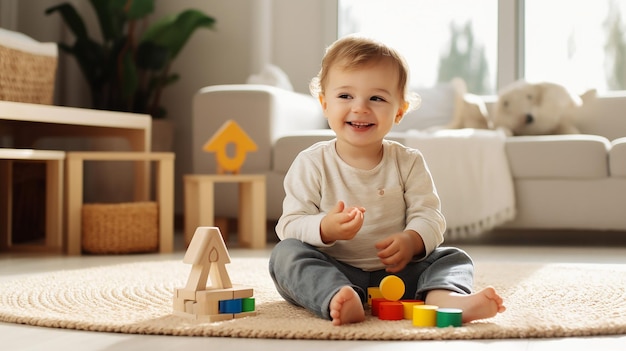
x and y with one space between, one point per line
543 300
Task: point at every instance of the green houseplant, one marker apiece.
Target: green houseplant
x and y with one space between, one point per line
128 69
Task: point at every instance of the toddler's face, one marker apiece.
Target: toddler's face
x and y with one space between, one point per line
362 104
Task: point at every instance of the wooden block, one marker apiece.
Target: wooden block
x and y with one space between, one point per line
391 311
185 294
219 276
373 292
215 317
239 292
425 315
206 308
247 304
206 243
214 294
198 277
245 314
408 307
449 317
198 244
231 306
376 305
184 314
179 304
204 318
190 307
208 301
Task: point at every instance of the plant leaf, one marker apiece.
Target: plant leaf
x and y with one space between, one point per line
113 15
172 32
151 56
172 78
139 9
89 56
72 19
164 81
110 17
129 79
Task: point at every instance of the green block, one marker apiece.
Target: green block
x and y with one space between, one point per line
449 317
247 304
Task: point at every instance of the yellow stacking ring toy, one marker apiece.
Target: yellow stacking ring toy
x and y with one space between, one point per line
392 288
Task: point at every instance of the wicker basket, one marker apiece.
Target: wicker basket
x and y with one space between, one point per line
27 74
120 228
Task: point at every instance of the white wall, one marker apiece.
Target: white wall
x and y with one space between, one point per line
302 29
291 34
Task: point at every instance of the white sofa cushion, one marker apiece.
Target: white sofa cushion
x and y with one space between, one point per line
558 156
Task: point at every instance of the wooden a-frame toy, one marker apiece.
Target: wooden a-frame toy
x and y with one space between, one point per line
220 301
230 132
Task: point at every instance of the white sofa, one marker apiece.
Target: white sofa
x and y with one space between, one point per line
560 181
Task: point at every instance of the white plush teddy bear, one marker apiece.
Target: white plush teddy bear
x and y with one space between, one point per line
524 108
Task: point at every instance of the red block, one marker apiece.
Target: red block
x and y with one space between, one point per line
391 311
376 305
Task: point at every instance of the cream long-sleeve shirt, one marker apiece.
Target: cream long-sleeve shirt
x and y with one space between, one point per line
398 194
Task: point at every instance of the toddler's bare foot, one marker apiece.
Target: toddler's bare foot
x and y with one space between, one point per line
346 307
479 305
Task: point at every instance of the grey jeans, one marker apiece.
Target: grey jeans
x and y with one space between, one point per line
307 277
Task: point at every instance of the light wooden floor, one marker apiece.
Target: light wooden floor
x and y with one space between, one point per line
535 247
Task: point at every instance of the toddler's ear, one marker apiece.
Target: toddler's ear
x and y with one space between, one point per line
322 100
401 111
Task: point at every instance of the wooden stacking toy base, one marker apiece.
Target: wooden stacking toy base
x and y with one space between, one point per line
221 300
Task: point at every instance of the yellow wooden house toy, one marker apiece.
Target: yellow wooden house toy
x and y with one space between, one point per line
230 132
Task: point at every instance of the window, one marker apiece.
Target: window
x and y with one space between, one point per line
580 43
490 43
439 39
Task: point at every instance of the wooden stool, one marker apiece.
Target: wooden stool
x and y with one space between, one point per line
164 193
54 195
200 205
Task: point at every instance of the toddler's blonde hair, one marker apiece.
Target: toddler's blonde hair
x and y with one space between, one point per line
356 51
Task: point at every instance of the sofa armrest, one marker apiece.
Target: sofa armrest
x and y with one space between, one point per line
617 158
264 112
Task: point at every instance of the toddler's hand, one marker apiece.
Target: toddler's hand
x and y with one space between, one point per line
341 223
396 250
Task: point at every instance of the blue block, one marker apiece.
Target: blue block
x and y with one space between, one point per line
230 306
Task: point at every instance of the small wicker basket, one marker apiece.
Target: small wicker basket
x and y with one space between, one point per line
120 228
26 77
